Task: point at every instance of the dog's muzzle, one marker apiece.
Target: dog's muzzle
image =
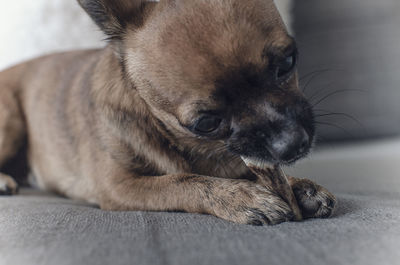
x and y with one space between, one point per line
282 141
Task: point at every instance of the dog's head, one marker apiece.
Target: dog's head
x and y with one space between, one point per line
219 74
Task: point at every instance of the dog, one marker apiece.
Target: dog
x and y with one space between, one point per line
160 118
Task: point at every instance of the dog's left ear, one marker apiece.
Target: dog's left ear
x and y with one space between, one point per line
113 16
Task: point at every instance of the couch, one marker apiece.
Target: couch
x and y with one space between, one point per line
41 228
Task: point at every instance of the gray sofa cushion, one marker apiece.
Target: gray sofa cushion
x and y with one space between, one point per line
37 228
47 230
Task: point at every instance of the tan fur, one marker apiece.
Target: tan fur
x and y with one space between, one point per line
113 135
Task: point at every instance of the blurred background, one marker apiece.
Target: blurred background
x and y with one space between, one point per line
33 28
349 68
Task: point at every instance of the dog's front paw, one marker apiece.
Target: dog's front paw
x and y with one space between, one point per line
314 200
248 203
8 186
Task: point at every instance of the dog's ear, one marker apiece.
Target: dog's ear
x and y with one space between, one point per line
113 16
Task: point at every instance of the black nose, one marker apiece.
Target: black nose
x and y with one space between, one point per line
290 145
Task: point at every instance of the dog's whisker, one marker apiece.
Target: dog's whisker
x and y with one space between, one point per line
336 126
312 78
318 92
319 72
344 115
335 93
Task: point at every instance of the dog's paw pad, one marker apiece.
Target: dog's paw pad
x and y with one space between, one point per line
314 200
8 186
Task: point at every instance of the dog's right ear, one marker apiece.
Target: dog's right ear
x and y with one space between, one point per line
113 16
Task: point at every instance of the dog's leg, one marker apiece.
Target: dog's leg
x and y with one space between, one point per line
12 131
239 201
314 200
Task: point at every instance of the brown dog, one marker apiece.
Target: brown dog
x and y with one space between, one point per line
160 118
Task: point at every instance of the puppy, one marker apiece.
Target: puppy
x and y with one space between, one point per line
159 119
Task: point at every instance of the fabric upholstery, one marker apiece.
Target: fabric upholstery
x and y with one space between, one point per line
38 228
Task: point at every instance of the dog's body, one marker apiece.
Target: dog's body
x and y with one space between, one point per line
159 119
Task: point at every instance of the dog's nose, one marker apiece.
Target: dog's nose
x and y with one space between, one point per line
290 145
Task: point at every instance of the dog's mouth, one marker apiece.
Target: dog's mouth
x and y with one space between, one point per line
269 163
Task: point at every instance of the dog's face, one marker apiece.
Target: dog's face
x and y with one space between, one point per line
219 74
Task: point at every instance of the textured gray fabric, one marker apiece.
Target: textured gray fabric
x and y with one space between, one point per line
46 230
37 228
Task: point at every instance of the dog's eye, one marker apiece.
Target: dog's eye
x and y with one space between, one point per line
207 124
285 66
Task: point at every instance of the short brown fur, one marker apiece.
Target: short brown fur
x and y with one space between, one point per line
110 126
